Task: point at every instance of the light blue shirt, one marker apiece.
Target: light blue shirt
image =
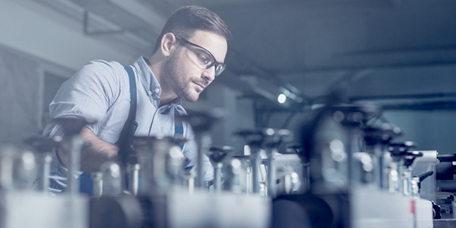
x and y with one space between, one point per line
100 90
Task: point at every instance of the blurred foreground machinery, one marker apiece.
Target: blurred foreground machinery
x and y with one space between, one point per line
358 176
345 173
150 187
20 205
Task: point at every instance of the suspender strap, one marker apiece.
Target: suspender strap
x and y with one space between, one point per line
178 127
128 131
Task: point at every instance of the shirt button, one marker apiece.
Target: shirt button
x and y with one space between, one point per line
157 90
149 92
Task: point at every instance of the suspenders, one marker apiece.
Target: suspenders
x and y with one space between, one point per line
126 135
128 131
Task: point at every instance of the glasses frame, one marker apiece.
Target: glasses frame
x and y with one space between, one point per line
218 65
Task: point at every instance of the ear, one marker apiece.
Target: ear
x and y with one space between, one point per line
168 44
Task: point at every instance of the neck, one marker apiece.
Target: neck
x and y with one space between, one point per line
156 65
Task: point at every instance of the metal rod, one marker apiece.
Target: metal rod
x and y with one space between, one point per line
44 171
255 163
134 179
384 169
377 161
204 142
271 183
146 171
73 164
97 178
112 181
218 177
350 160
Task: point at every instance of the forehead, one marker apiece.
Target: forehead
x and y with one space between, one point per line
214 43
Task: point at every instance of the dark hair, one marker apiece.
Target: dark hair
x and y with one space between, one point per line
187 19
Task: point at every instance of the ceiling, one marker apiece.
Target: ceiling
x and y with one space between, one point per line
291 46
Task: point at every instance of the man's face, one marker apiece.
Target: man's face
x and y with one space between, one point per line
185 72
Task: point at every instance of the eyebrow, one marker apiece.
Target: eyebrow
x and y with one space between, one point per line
196 45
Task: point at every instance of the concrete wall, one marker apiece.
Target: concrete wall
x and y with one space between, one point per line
37 30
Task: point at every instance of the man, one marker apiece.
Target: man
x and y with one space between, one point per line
189 54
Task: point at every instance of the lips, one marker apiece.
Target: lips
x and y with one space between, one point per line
200 85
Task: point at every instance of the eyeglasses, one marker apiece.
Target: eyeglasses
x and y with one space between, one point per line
207 59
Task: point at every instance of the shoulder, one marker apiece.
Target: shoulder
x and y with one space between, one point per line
180 110
109 75
102 68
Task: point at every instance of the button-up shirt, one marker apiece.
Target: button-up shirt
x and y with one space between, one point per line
100 91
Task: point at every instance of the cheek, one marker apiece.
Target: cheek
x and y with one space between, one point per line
189 72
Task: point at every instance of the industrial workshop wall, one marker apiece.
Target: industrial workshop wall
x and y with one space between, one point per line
37 30
19 109
421 100
27 86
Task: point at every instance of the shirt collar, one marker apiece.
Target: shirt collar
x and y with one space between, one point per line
149 81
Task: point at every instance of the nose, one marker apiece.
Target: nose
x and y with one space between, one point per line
209 74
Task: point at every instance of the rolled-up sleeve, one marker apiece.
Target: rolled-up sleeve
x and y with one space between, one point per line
88 94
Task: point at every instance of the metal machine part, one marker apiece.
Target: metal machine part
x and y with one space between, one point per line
71 146
122 211
271 141
364 166
390 210
376 139
218 156
396 170
426 164
159 161
134 178
21 207
43 148
97 178
34 209
288 181
17 168
446 168
254 139
301 165
446 201
409 159
111 179
188 178
330 141
235 175
201 123
224 210
290 173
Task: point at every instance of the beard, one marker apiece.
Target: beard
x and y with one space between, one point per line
175 78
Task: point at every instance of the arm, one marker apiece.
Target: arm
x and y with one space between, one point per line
89 94
96 154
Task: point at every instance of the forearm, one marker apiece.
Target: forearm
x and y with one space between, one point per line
96 154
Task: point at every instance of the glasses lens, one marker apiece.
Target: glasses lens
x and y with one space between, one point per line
207 58
219 69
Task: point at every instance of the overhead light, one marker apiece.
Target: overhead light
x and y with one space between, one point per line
281 98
